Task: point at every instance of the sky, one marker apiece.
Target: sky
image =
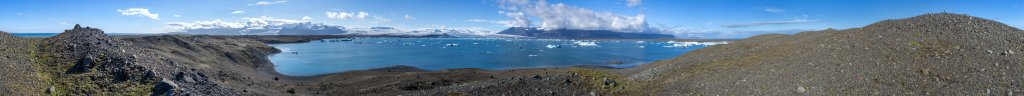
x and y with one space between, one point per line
723 19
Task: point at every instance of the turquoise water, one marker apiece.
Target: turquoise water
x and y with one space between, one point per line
320 57
35 34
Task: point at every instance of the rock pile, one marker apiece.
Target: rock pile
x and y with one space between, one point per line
87 61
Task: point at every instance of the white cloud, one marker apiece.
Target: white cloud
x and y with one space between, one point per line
408 17
237 12
139 12
773 10
261 3
19 14
347 15
476 20
763 23
362 15
633 3
176 15
307 18
506 23
557 16
64 23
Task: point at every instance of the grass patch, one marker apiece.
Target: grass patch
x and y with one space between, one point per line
622 87
51 69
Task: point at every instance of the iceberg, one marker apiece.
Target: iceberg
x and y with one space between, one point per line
585 44
554 46
688 44
452 44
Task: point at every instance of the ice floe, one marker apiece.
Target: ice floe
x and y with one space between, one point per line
585 43
689 43
554 46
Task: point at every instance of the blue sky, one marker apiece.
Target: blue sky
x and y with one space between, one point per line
684 18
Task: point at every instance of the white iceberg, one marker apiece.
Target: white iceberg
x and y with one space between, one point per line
585 44
688 43
554 46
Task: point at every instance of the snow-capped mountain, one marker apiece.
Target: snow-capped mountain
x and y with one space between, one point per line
256 26
451 32
271 26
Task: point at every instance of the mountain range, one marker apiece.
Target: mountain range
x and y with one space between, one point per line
266 26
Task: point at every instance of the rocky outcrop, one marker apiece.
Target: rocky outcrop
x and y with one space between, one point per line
85 61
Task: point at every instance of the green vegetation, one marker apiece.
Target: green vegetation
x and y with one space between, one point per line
52 70
621 86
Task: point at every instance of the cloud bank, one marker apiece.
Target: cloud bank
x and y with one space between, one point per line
561 16
347 15
237 12
139 12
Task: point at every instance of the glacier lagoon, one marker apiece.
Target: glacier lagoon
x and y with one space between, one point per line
339 55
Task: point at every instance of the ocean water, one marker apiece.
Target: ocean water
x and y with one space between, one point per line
336 55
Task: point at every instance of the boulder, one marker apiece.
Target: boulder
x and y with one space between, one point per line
165 87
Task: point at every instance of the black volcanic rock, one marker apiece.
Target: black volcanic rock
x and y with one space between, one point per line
579 34
85 61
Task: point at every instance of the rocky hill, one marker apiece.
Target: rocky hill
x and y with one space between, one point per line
580 34
931 54
85 61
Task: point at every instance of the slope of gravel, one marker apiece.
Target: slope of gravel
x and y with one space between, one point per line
931 54
18 76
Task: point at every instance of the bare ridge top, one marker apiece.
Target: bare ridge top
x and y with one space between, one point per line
79 31
940 21
4 35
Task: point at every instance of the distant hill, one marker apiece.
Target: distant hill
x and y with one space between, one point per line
931 54
579 34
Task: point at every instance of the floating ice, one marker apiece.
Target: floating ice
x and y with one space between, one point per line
585 44
452 44
554 46
688 44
